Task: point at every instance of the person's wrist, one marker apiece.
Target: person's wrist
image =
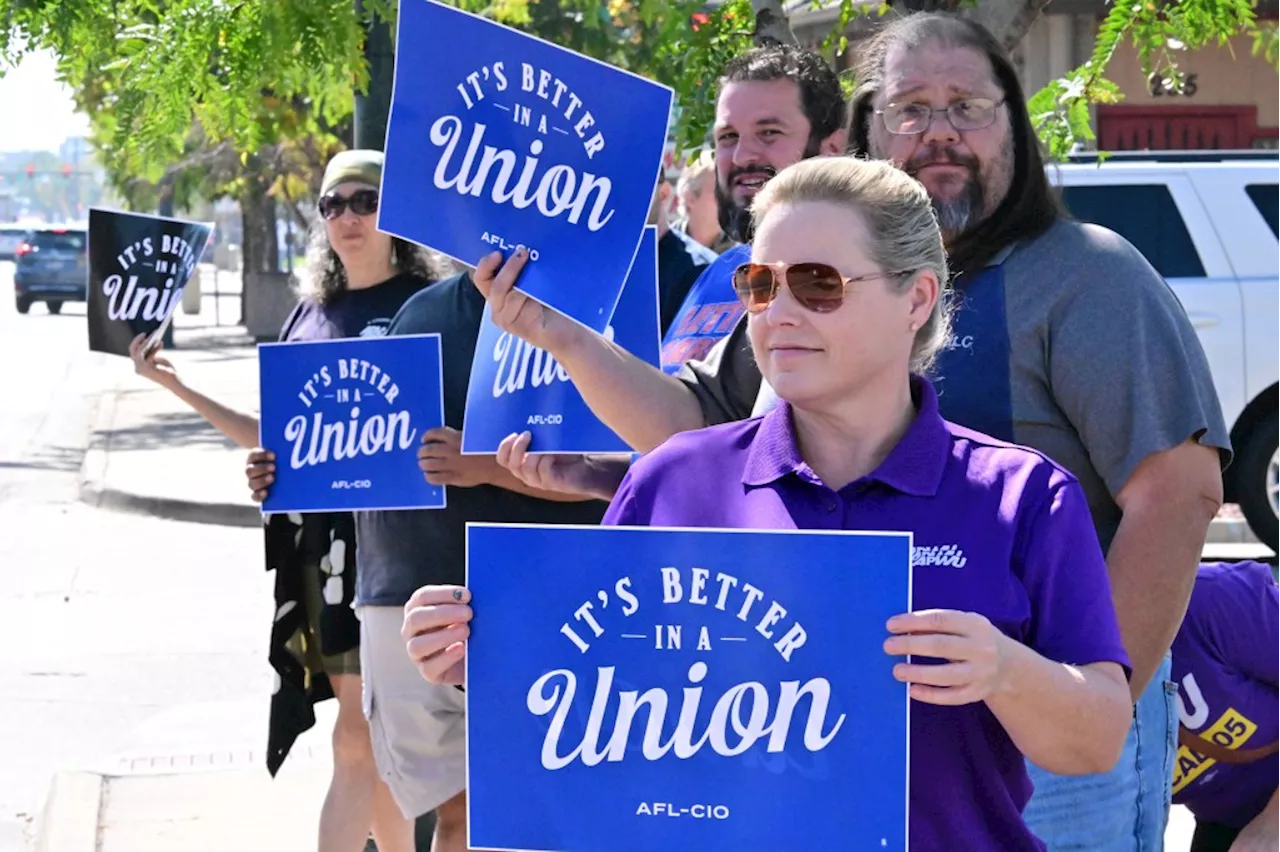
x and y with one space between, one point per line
605 474
166 380
1011 656
489 472
571 343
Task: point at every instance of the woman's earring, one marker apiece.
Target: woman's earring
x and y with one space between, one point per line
915 326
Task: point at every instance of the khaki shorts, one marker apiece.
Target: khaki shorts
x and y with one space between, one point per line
418 728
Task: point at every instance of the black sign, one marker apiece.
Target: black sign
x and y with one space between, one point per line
138 265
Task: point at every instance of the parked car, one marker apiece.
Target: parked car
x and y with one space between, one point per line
51 266
10 238
1208 223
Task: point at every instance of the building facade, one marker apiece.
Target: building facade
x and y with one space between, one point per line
1229 100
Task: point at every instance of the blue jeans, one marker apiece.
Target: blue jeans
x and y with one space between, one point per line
1126 809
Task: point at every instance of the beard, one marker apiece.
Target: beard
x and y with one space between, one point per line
958 215
735 219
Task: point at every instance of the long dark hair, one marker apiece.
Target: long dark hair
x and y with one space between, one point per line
325 278
1030 207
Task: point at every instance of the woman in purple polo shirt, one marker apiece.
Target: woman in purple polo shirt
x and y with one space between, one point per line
844 295
1226 665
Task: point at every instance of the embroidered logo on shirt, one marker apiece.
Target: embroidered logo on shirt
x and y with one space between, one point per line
376 327
945 554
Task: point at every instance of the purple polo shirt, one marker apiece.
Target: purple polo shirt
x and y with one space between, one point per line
998 529
1225 663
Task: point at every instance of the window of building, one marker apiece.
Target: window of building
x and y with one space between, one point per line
1145 215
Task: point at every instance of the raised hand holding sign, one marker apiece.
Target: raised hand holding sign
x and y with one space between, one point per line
138 267
516 386
498 139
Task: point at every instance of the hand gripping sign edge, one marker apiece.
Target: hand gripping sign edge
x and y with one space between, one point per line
386 476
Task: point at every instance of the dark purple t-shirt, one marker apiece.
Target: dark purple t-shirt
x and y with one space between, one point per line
366 312
998 529
1226 659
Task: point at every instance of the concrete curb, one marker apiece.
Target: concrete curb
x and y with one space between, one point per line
1230 531
95 492
70 816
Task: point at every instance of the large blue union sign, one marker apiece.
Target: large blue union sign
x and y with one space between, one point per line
635 689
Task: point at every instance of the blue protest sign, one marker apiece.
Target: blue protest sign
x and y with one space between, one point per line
634 688
345 419
516 388
497 139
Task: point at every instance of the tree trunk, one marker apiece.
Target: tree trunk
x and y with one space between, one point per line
772 26
261 251
373 107
1008 20
269 295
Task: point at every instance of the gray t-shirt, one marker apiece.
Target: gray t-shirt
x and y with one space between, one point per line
1071 344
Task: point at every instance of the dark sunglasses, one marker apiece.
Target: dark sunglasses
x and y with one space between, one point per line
817 287
363 202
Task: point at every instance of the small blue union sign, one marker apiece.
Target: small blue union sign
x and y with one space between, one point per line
345 419
516 388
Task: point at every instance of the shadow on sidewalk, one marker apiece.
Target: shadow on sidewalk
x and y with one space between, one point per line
168 430
212 337
61 459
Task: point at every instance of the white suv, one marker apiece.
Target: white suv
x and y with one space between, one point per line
1207 222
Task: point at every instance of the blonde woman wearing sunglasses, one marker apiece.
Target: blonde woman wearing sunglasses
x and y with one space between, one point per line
845 294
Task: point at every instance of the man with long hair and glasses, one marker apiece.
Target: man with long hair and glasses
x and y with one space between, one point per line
1066 340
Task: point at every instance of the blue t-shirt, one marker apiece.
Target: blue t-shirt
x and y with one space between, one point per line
401 551
709 312
681 262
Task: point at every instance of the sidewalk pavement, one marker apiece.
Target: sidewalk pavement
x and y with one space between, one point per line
150 454
198 797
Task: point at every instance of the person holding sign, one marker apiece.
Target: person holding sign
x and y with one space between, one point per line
1050 307
357 279
1014 646
1226 668
418 728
